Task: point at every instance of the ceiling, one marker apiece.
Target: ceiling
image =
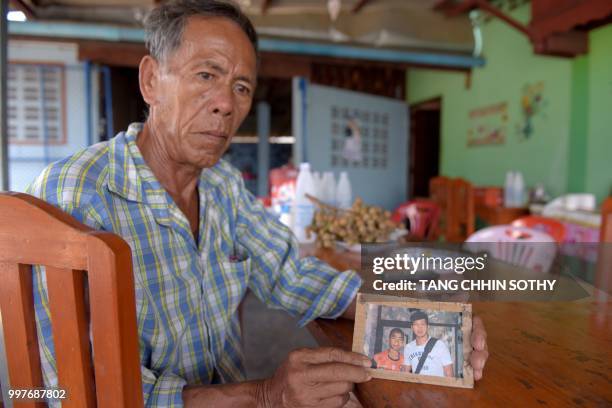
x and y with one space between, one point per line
397 24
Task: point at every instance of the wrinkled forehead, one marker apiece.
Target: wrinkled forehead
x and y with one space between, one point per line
204 35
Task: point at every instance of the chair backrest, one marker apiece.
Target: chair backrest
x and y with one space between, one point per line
33 232
440 193
605 234
516 245
603 275
550 226
461 213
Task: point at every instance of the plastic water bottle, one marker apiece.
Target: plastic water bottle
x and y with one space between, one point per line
329 188
303 208
519 189
317 178
509 190
344 193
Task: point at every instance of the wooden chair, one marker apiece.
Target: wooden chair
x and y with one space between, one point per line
603 274
461 217
33 232
605 234
439 193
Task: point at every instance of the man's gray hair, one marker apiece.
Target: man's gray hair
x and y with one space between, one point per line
165 24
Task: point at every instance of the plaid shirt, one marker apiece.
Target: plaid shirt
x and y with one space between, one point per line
187 292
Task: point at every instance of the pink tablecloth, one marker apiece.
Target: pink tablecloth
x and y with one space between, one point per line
580 241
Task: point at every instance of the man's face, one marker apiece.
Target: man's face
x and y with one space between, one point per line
419 327
203 91
396 341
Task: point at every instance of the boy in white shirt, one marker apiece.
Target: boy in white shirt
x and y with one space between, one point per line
438 361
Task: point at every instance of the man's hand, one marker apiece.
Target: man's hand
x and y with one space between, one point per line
321 378
480 352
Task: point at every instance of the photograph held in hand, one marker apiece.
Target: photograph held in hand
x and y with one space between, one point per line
415 341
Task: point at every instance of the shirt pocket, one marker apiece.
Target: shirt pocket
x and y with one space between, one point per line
236 274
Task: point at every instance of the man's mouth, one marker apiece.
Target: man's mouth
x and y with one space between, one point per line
215 133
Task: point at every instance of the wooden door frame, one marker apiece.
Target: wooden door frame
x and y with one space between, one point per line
428 104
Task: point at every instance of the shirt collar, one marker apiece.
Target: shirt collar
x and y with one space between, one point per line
124 179
131 177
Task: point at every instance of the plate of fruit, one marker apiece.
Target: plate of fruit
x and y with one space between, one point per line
349 228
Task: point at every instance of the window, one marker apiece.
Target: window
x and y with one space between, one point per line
36 108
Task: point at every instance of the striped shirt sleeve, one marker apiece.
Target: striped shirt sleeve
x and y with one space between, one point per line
163 390
307 287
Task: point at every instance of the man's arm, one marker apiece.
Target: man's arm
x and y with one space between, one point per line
305 287
309 377
246 394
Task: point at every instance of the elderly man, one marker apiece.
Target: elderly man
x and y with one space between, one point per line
198 238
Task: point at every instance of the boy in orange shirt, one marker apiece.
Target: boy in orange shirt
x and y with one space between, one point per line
392 359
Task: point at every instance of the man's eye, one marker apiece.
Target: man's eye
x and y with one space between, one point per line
243 90
205 75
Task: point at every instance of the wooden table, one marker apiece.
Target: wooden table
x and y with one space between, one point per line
541 354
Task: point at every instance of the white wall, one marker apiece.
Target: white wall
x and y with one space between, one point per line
26 161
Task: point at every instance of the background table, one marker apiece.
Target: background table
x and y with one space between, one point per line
499 215
541 354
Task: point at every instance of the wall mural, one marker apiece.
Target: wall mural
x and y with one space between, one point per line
488 125
532 104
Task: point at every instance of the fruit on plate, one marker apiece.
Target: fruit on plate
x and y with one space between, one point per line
359 224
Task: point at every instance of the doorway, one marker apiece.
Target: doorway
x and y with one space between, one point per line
424 152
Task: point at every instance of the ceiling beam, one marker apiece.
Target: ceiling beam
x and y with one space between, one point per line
444 5
359 5
119 54
101 32
547 39
455 9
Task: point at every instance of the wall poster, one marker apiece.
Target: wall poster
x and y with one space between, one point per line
488 125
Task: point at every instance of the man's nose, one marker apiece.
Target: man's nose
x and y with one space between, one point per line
223 101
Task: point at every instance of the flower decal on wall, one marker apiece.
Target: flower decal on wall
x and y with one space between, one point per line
532 104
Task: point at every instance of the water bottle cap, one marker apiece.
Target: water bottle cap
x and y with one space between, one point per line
305 166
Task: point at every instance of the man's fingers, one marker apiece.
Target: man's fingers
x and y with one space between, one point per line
478 360
336 372
333 355
334 389
334 402
479 334
353 402
480 353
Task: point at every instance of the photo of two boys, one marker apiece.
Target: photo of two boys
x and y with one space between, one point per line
424 355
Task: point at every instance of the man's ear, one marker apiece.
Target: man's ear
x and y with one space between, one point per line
148 75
